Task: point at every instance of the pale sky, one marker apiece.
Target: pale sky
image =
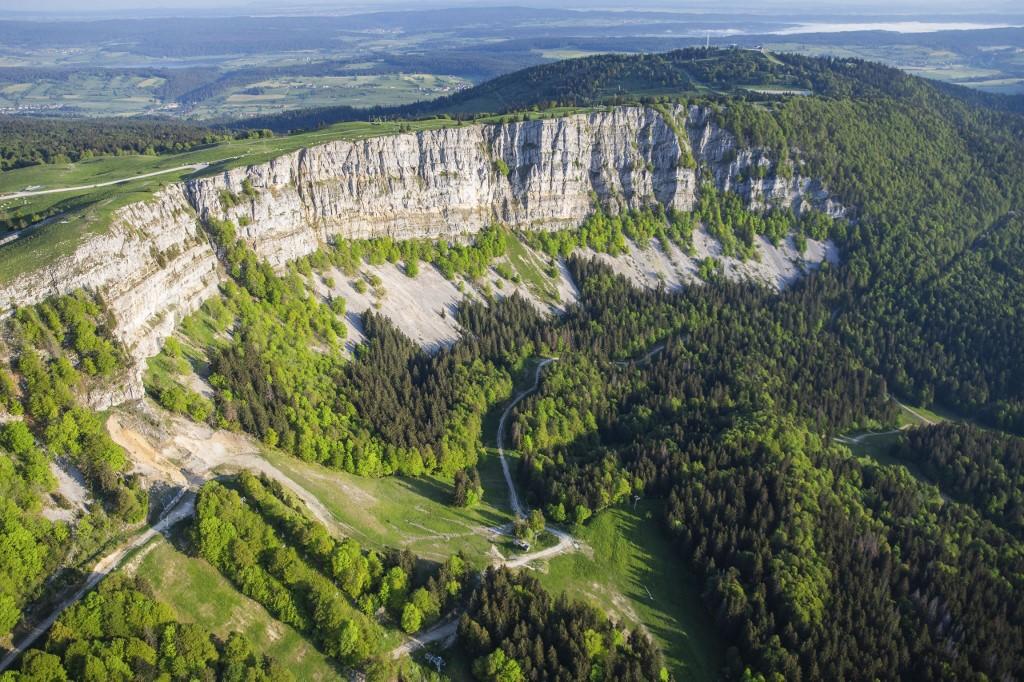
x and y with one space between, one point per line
80 7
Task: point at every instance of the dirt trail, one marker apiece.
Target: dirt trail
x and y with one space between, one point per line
911 410
191 457
441 632
513 497
57 190
197 453
853 440
181 507
643 360
446 629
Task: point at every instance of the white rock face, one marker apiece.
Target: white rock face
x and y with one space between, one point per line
155 264
452 181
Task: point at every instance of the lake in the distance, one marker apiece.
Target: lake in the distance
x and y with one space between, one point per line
896 26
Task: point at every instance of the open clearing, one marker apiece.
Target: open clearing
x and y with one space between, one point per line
634 574
878 445
413 513
198 593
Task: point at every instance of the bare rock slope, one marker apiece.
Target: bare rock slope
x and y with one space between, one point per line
155 263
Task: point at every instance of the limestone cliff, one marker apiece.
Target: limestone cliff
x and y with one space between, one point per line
154 263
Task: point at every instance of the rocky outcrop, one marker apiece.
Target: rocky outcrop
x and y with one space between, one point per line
542 174
154 264
453 181
732 168
151 267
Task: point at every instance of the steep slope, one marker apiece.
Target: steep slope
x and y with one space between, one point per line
155 263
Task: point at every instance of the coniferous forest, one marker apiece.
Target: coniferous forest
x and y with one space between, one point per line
723 405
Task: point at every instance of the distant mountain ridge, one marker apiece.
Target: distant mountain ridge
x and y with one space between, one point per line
627 78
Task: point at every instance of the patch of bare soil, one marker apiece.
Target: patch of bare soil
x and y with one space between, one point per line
71 497
775 266
147 461
423 307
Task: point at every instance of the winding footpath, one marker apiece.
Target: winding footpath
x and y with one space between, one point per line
513 497
854 440
447 628
911 410
95 185
640 362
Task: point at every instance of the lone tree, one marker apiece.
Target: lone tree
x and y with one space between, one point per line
536 521
468 489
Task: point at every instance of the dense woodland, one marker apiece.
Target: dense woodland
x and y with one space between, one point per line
984 469
718 403
931 294
817 565
119 632
57 351
516 630
31 141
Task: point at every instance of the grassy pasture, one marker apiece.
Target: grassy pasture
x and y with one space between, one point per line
198 593
635 573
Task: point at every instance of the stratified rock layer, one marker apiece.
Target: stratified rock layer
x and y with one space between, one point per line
155 263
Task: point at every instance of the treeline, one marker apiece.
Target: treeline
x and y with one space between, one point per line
452 259
726 217
608 233
982 468
263 540
515 630
120 632
32 141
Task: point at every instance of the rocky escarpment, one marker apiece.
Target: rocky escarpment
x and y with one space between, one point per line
154 264
532 175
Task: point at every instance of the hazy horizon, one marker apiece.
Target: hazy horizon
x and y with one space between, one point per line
108 8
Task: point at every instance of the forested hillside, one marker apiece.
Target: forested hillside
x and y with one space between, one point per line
934 180
722 410
119 632
817 565
723 407
54 353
